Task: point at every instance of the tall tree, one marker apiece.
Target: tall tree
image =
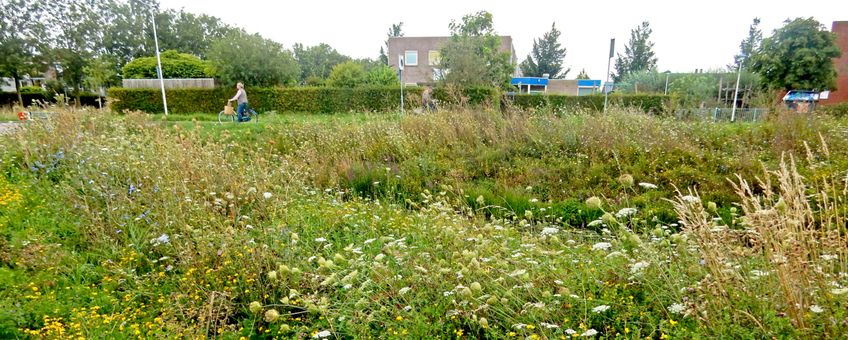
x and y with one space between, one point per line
317 61
77 38
546 57
473 55
583 75
638 53
254 60
748 46
798 56
394 32
21 40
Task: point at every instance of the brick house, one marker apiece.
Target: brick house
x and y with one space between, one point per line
840 29
421 56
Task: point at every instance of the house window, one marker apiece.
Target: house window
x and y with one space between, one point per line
411 58
434 57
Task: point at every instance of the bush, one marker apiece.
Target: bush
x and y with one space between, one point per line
295 99
174 65
650 103
835 110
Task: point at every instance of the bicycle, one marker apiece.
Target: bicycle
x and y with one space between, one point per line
251 114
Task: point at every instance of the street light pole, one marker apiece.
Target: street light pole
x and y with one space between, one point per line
159 65
606 91
736 93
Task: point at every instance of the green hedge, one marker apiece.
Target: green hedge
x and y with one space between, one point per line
293 99
646 102
30 94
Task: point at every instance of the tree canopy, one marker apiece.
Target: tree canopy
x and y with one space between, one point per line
638 53
174 65
546 57
253 60
473 55
798 56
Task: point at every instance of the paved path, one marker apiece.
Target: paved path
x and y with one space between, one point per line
6 128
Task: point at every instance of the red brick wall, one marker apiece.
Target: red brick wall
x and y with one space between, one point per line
841 64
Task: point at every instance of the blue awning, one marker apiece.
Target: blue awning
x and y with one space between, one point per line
529 81
588 83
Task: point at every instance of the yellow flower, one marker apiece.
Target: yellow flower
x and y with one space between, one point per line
399 318
672 322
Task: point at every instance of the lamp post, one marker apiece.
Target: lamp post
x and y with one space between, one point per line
159 65
736 92
606 91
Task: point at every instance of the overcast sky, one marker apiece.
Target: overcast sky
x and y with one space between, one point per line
687 34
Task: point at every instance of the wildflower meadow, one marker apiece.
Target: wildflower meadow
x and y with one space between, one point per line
457 224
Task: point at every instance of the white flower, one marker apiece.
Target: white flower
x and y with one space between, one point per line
162 239
267 195
758 273
519 326
677 308
816 309
638 267
625 212
690 199
548 325
404 290
601 246
320 239
829 257
600 309
518 272
534 200
322 334
590 332
595 223
839 291
549 231
647 185
570 331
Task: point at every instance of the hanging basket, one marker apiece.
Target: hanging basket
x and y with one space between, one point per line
228 110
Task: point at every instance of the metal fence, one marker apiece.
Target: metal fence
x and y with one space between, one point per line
723 114
204 83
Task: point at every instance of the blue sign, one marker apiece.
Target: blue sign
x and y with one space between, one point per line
529 81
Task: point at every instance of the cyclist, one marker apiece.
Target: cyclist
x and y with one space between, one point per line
241 99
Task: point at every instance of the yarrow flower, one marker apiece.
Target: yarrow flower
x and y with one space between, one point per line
839 291
647 185
601 246
548 325
404 290
816 309
549 231
267 195
677 308
690 199
626 212
638 267
590 332
600 309
322 334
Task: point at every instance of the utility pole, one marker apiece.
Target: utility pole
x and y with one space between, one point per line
736 93
606 91
159 65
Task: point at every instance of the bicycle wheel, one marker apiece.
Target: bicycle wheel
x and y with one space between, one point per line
254 115
223 117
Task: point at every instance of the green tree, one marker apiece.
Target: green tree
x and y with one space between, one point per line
382 75
317 61
638 53
100 73
473 55
21 37
546 56
174 65
347 74
395 31
748 46
77 37
583 75
253 60
798 55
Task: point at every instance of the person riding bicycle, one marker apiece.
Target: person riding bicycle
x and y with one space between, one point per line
241 99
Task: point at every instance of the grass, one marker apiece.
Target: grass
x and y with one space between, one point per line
459 224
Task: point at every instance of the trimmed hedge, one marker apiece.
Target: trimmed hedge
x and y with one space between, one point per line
293 99
650 103
31 94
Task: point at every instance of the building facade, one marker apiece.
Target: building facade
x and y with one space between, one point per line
840 95
421 57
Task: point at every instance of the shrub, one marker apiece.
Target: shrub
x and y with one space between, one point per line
174 65
347 74
835 110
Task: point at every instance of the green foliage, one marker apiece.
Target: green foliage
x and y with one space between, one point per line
546 57
583 74
174 65
21 39
798 56
394 32
317 61
347 74
834 110
473 55
748 46
253 60
638 53
649 103
382 76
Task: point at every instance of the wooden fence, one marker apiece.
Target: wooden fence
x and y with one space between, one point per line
195 83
